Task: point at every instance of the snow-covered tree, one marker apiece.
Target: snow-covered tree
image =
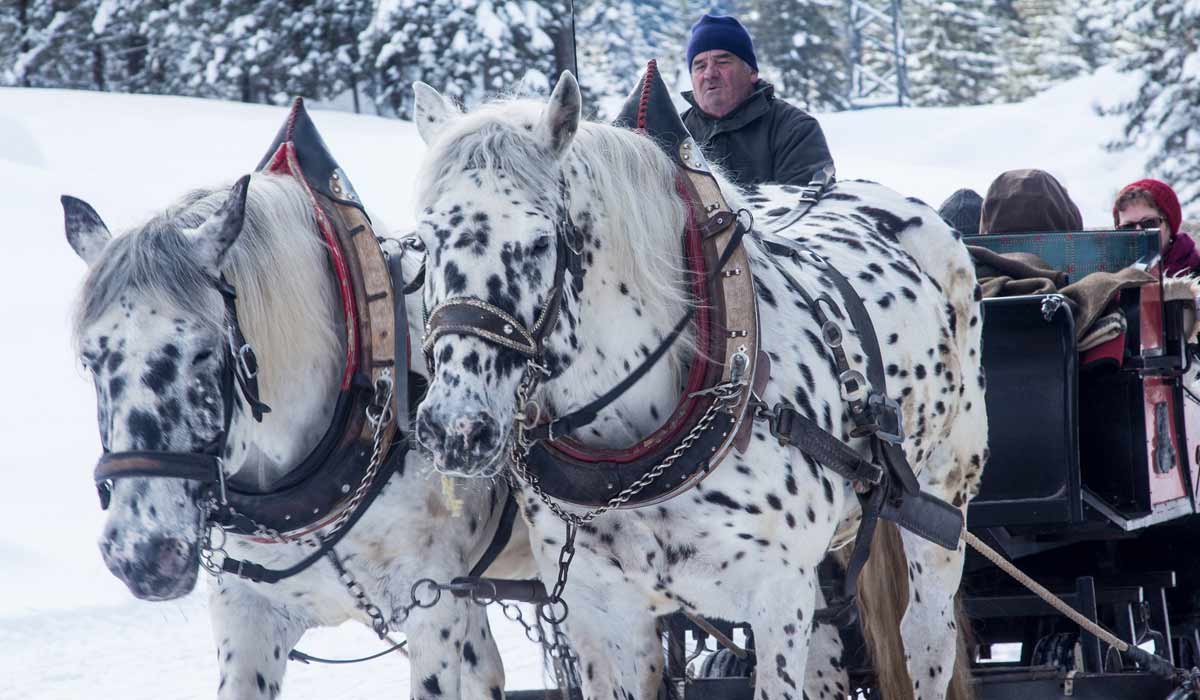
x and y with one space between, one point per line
1164 115
12 32
801 48
269 50
952 52
468 49
1045 47
57 47
618 37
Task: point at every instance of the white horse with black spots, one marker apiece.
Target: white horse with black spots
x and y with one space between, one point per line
149 328
745 543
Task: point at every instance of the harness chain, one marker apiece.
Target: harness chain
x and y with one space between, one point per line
212 507
727 395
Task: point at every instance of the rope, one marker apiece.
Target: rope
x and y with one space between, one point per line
1040 591
716 634
1154 663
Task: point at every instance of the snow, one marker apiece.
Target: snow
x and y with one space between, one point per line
68 629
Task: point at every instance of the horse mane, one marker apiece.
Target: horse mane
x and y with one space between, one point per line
639 212
278 266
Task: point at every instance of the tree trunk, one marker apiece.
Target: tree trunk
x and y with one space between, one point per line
98 67
23 22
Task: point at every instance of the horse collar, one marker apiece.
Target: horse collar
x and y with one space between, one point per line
355 457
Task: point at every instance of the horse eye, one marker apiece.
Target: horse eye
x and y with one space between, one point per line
542 244
201 356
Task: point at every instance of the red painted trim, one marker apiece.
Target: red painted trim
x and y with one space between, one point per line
688 405
284 162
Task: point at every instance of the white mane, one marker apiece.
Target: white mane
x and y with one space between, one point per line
278 266
630 182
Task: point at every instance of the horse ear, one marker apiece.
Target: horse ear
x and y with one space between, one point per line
212 239
560 119
431 111
86 233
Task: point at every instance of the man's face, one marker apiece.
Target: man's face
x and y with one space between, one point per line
1141 215
721 81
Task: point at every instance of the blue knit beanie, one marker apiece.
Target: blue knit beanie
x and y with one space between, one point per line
714 32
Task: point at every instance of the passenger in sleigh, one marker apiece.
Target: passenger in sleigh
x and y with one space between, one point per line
1029 201
1148 204
736 118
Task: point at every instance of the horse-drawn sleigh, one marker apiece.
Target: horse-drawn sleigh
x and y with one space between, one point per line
254 360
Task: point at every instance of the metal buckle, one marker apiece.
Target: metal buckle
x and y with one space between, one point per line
887 418
781 424
810 193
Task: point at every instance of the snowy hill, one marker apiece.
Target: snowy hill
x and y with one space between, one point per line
68 629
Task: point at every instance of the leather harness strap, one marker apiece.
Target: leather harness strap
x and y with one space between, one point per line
892 491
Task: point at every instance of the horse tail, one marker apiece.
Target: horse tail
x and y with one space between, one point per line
882 599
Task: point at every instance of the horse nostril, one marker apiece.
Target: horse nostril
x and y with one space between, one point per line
164 555
480 432
430 432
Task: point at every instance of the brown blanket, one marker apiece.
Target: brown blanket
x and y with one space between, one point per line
1013 274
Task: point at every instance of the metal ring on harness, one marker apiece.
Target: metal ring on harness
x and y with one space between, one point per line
831 334
414 592
545 611
853 385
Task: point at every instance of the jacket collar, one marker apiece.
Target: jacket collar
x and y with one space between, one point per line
750 109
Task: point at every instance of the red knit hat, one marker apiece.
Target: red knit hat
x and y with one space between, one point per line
1164 198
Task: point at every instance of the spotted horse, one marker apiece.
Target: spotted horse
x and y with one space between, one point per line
567 315
241 386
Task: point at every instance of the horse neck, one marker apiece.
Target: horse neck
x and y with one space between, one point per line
620 292
300 364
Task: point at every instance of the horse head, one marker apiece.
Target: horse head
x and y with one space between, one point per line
152 330
492 212
520 203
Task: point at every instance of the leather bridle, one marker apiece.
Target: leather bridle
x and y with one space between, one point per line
239 368
476 317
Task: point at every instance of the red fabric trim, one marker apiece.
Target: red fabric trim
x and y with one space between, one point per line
284 162
644 102
1110 351
688 404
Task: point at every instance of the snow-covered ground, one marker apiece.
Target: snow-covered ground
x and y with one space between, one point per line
68 629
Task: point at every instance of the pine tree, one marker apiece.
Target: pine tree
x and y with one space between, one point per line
57 47
1044 49
12 30
616 40
801 48
1096 34
952 52
1164 116
468 49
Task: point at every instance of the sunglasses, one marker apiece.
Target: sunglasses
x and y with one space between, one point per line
1148 222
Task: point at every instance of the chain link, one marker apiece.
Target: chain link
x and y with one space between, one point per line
726 396
379 415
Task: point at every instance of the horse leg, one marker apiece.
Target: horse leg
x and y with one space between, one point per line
482 668
253 639
825 676
781 616
620 653
929 628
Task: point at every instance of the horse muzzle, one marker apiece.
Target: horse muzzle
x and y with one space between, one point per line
156 567
468 443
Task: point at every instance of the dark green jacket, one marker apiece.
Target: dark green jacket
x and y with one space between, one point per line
764 139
